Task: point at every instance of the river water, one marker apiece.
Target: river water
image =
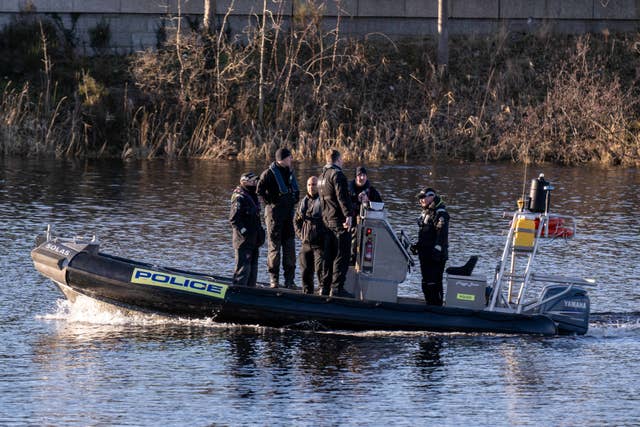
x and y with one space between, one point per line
75 364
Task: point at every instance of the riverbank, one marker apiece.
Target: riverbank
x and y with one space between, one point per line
526 98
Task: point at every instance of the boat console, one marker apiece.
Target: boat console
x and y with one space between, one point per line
382 260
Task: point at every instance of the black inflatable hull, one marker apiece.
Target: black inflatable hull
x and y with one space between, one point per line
143 287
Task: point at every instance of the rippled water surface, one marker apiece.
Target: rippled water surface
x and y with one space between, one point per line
80 364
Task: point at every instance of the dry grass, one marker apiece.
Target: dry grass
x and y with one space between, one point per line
531 98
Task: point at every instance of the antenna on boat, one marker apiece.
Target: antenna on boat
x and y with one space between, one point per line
524 178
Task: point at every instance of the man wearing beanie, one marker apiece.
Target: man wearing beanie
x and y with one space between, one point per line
361 190
248 234
433 244
279 190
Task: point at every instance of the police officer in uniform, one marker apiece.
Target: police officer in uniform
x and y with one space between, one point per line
336 215
248 234
310 230
432 247
279 190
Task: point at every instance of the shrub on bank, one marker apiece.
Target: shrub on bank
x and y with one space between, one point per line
532 98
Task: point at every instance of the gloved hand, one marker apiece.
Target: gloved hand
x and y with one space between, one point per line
414 249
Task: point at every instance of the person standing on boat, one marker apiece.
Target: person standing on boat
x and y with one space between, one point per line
248 234
279 190
432 247
310 230
361 192
336 215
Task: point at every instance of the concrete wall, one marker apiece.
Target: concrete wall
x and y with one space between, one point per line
134 23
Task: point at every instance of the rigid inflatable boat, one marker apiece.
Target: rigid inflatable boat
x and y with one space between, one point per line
472 303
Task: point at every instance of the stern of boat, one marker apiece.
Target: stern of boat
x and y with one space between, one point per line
568 306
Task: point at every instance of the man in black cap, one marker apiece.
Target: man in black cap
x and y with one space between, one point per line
433 244
279 190
336 216
248 234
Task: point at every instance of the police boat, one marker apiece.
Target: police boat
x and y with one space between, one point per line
472 303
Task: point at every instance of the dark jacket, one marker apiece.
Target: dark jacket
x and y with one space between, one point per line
334 196
368 189
308 221
434 231
280 195
245 219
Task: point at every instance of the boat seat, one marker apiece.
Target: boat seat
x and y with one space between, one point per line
464 270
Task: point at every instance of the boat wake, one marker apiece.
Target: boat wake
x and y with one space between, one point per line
88 311
94 314
612 325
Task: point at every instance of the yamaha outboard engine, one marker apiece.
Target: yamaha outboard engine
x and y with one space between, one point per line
568 306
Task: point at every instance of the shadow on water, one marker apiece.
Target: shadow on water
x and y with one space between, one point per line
428 354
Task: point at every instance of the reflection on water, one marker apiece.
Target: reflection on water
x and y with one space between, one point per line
80 364
428 355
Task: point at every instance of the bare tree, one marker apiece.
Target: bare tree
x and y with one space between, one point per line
261 82
209 16
443 36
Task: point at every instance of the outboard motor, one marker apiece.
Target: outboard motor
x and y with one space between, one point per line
568 306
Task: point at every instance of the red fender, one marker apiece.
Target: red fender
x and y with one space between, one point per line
556 227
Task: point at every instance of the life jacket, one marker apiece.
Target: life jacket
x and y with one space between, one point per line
310 209
434 228
283 188
312 229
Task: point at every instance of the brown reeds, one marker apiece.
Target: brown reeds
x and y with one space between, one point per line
530 98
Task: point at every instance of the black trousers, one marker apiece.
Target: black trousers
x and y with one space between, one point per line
246 273
310 263
280 237
432 272
337 251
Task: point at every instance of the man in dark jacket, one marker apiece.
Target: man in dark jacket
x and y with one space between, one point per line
310 231
433 244
248 234
279 190
361 191
336 216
